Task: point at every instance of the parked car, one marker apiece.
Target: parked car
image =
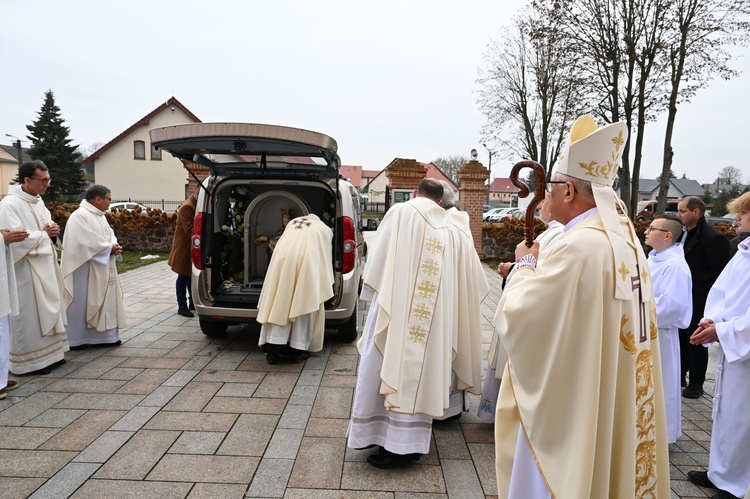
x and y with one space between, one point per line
486 208
261 176
726 219
487 214
507 213
647 209
125 205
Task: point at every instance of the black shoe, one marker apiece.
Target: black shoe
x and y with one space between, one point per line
692 391
700 478
58 363
44 370
105 345
723 494
185 312
299 355
683 383
272 358
387 460
191 307
80 347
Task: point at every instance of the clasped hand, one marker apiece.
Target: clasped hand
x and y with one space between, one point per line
116 249
52 229
13 235
706 333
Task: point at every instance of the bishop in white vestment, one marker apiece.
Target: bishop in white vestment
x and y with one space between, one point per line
672 281
727 318
297 284
93 294
38 339
407 345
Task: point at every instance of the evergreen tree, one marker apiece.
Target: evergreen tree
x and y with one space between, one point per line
50 143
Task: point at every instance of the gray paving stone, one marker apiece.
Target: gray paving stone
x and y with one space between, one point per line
102 401
32 463
103 447
302 493
310 377
65 481
295 416
271 478
129 489
333 402
483 456
135 418
194 468
83 431
280 385
56 418
413 478
461 479
217 491
197 442
181 377
450 442
20 437
249 436
19 488
319 463
197 363
97 366
237 390
161 396
135 459
284 444
30 407
304 395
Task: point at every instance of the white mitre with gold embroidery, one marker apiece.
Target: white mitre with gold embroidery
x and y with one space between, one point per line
593 154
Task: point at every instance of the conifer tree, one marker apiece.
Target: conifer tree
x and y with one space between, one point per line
51 144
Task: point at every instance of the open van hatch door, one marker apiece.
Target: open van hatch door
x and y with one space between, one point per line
246 148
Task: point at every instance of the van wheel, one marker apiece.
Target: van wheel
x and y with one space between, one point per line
212 328
348 330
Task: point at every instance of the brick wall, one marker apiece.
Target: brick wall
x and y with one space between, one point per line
405 173
472 177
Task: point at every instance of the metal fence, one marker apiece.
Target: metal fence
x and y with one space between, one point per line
374 207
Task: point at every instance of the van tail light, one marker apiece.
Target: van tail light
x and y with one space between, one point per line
195 241
350 245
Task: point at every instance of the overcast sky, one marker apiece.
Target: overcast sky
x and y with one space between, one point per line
385 78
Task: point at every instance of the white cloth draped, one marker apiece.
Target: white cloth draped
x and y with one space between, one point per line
728 305
38 338
672 283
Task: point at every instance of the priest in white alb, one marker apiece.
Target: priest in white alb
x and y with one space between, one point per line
8 303
406 347
298 282
93 294
727 320
672 281
469 290
38 340
581 405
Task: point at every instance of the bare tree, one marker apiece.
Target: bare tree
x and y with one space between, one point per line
702 30
527 88
451 164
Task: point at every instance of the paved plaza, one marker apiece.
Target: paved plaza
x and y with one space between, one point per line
173 414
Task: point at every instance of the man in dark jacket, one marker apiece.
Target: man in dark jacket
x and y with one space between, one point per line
179 257
706 253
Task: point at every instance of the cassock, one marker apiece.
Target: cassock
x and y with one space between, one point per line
469 291
405 370
728 305
670 275
298 282
38 338
581 408
93 294
497 357
8 307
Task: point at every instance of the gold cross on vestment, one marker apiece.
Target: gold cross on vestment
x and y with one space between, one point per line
434 245
426 289
623 270
422 312
431 268
416 333
644 275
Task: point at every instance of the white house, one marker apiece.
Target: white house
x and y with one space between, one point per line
133 169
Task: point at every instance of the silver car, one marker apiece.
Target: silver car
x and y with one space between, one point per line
261 176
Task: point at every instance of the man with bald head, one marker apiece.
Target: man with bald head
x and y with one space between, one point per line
670 275
581 408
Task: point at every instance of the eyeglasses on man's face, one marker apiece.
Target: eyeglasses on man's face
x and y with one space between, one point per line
44 180
652 228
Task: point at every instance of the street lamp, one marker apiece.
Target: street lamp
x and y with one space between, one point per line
490 152
18 147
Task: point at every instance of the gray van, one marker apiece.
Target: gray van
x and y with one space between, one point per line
260 177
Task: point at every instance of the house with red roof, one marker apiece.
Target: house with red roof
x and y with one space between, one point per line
375 188
133 169
502 191
352 173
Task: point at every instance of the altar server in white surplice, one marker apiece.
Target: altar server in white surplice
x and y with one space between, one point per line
93 294
727 320
38 340
8 303
670 275
298 282
407 345
470 289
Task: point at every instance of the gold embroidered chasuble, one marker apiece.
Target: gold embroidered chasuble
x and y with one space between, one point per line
583 380
413 328
299 279
87 234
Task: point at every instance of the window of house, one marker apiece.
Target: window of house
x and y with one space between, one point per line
155 152
139 149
